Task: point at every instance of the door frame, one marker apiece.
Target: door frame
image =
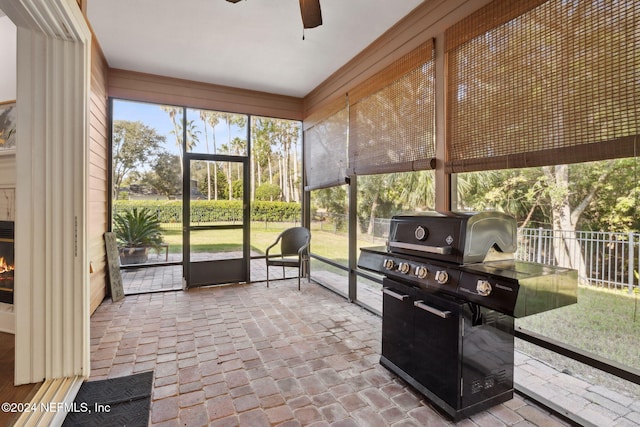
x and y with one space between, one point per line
228 266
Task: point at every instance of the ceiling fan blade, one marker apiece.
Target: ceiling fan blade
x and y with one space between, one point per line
311 14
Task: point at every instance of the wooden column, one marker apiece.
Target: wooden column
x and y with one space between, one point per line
52 273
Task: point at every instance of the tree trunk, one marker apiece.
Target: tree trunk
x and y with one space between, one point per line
215 180
283 180
178 134
215 169
259 174
285 177
208 181
372 215
230 175
252 173
296 188
206 141
566 248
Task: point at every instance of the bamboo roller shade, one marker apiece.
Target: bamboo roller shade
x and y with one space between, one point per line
541 84
392 117
388 125
326 148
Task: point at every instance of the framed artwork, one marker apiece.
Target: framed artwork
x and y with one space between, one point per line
7 125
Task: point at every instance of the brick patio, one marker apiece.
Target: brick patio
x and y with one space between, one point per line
251 356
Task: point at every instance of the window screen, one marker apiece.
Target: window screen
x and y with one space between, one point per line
549 83
391 117
325 143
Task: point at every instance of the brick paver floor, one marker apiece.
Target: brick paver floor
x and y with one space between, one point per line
245 355
166 278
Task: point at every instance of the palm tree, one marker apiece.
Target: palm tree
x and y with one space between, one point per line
211 118
261 151
418 189
232 147
192 133
173 112
279 138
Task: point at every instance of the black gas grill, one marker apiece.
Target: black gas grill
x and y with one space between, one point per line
451 291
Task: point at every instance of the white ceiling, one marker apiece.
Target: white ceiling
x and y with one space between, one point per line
253 44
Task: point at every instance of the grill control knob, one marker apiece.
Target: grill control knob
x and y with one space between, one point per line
404 267
442 277
421 271
421 233
388 264
483 288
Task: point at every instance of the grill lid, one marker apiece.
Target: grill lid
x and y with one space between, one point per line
459 237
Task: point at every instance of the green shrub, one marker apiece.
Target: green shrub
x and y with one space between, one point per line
170 211
268 192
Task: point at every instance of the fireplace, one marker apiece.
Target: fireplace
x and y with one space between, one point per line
7 257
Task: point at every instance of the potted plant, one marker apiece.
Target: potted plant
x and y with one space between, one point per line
137 230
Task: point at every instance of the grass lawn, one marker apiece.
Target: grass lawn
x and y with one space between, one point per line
604 322
221 240
325 243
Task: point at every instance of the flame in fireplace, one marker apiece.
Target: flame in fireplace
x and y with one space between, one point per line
4 267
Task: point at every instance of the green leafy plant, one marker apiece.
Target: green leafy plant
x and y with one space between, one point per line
136 228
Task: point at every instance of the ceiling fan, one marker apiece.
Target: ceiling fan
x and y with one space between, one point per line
310 11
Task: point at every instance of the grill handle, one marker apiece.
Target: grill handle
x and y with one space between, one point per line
421 305
442 250
394 294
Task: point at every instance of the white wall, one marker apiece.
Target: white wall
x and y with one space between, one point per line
8 45
8 53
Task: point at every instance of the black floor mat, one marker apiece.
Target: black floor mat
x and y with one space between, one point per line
123 401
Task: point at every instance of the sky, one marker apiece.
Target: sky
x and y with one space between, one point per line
153 116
